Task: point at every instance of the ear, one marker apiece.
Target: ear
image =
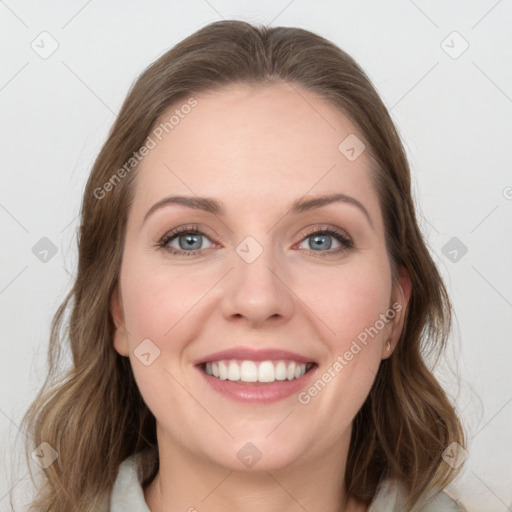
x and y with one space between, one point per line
120 333
400 300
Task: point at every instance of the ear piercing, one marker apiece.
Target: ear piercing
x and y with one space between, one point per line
388 345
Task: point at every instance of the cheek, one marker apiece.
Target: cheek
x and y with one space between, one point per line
350 300
157 301
351 303
158 307
161 307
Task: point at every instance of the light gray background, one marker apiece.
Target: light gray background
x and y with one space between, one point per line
454 114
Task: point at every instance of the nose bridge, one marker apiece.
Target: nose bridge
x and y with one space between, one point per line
256 291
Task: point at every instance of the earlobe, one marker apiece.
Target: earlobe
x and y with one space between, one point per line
120 339
387 349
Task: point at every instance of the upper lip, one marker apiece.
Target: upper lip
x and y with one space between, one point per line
251 354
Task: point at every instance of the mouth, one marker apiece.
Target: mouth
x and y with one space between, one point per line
262 372
256 375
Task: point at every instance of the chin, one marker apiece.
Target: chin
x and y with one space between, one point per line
253 454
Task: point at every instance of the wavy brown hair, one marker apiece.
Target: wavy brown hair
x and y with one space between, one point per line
92 412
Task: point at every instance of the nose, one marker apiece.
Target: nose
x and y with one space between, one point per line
258 292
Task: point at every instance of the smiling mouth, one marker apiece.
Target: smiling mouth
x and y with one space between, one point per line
256 372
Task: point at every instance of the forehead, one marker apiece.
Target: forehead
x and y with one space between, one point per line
250 146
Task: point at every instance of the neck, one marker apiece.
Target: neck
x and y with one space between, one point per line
186 483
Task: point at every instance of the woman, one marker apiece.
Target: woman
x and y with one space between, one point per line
253 297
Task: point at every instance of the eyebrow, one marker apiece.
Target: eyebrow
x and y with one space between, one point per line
298 206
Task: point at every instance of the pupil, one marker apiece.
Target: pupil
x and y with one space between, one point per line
190 241
319 239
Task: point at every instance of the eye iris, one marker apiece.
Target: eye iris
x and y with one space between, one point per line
192 241
319 240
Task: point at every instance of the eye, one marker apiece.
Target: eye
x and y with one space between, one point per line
320 241
187 241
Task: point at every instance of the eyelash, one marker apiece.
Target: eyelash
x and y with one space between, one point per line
345 241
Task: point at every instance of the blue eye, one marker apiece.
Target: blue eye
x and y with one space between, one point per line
190 242
320 241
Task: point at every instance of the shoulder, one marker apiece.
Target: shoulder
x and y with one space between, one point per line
127 494
391 497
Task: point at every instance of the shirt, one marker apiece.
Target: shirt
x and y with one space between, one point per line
128 495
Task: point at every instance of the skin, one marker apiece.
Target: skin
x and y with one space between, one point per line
254 149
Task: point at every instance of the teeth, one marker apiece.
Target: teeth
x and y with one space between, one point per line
223 370
290 372
233 371
251 371
280 371
266 372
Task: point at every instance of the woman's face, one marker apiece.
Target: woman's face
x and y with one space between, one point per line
221 321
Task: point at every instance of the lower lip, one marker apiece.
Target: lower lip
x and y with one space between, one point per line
260 392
